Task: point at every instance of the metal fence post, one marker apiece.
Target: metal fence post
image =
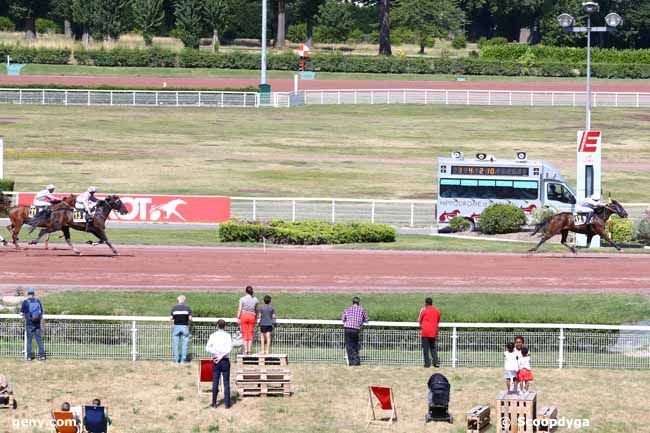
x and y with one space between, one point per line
177 99
404 97
156 93
293 211
552 99
637 100
560 358
338 98
25 343
372 212
510 98
446 97
133 97
355 97
454 347
333 211
111 93
254 210
489 97
20 96
134 341
426 97
88 97
532 95
200 99
467 98
43 96
221 100
412 213
372 97
66 97
388 97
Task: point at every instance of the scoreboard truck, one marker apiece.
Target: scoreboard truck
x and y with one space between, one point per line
467 186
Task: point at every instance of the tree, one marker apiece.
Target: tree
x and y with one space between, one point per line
109 18
429 18
384 28
82 14
62 9
148 16
335 20
189 21
281 30
216 15
28 10
308 12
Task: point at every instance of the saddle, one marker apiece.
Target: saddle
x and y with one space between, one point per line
33 210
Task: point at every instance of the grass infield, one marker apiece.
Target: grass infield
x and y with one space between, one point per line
612 309
161 397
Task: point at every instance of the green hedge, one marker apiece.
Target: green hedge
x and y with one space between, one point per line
305 233
513 52
55 56
501 218
152 57
7 185
620 229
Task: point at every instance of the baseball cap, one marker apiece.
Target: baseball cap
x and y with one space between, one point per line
31 291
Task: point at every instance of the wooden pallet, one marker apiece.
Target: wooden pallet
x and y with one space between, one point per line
262 360
545 416
513 407
251 389
263 375
478 419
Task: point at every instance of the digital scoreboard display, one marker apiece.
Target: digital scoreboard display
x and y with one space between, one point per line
489 171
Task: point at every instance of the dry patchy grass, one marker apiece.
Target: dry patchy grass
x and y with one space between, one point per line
161 397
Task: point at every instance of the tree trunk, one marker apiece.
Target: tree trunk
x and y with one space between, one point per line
310 33
30 28
67 28
215 40
85 37
384 28
281 30
422 46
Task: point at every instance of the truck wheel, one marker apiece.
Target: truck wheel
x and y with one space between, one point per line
472 225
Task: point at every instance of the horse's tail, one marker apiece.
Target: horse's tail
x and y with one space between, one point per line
541 225
36 220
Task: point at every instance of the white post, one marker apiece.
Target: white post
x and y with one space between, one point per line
66 97
254 210
617 99
588 95
20 96
637 100
293 211
156 98
2 157
454 347
333 211
111 93
25 343
467 98
338 98
531 99
412 213
510 98
552 99
322 96
88 97
426 97
388 97
372 97
372 212
221 99
574 99
264 13
446 97
489 97
355 97
43 96
404 97
200 98
295 83
560 359
134 341
176 98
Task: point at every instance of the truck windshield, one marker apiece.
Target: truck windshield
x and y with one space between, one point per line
489 189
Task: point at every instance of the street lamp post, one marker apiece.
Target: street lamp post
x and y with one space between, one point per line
264 18
589 142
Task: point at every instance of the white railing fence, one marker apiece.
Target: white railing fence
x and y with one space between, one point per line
139 98
461 97
459 344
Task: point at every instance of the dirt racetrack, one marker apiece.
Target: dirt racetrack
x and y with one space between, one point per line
320 269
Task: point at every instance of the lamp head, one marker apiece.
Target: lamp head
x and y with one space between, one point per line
613 20
590 8
565 21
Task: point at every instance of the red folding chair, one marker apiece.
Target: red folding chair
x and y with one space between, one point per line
205 373
381 400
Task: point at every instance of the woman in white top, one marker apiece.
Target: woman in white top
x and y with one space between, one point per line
247 317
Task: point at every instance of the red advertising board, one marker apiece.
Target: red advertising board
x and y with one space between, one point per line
163 208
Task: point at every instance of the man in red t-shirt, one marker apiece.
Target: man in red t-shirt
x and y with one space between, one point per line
429 319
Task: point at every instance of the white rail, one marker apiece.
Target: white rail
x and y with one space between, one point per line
459 344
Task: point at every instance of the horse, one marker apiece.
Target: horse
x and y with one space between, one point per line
97 226
564 223
5 203
19 215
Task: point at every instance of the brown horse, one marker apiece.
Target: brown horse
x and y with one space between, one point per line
59 219
18 215
97 226
5 203
565 222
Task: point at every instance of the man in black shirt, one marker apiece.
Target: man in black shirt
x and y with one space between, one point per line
181 315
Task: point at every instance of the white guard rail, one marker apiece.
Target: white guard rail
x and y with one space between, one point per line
459 344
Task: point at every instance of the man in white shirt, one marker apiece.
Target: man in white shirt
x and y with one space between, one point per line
220 345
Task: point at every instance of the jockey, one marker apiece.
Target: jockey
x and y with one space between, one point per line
45 198
87 202
590 205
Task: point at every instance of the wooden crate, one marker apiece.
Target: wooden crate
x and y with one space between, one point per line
511 407
256 389
263 375
262 360
478 419
545 415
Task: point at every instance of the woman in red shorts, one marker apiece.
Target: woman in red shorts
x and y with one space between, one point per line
247 317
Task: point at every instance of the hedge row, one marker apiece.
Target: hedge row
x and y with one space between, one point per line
7 185
485 65
305 233
514 52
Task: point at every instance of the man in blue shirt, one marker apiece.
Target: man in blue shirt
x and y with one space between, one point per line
32 311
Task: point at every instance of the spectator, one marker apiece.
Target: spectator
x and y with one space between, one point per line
519 344
524 375
429 320
510 367
353 319
220 345
6 393
267 320
95 404
32 311
247 317
65 407
181 315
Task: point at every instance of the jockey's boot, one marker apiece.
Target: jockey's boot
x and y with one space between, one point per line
590 216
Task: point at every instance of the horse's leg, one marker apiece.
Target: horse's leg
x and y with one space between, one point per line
565 234
603 234
541 241
66 234
47 240
15 229
101 235
42 233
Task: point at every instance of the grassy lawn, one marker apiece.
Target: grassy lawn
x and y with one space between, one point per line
157 397
314 151
480 307
43 69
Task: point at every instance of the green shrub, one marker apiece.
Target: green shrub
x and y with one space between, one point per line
43 25
484 42
7 185
620 229
297 33
459 42
610 56
459 224
305 233
6 25
642 231
35 55
355 36
501 218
